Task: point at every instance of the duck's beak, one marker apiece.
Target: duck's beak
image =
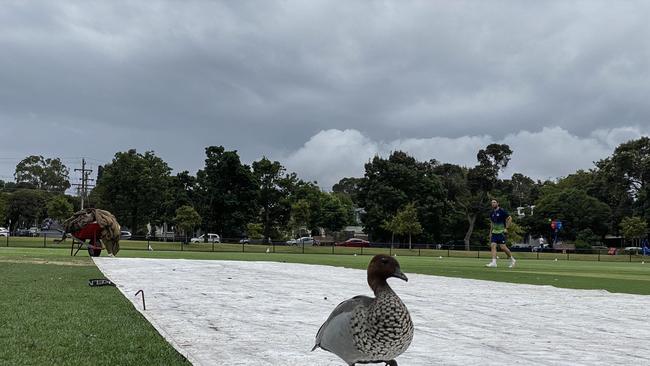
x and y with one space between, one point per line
398 274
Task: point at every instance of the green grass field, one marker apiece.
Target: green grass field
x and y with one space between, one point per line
49 314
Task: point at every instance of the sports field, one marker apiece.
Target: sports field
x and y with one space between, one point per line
51 316
419 250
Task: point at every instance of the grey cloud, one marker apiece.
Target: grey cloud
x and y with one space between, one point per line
549 153
266 77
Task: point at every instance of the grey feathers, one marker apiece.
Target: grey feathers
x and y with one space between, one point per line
364 329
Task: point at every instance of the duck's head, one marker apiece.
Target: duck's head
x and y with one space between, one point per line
382 267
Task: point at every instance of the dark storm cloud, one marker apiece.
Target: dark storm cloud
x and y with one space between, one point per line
266 77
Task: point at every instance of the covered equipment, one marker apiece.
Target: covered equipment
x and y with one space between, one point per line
98 226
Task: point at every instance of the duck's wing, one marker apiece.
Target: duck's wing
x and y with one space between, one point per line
337 324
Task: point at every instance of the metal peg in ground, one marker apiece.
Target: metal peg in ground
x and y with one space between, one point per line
144 307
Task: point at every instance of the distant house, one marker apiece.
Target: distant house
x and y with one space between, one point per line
356 230
164 231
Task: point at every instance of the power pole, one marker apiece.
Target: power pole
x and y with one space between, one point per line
85 177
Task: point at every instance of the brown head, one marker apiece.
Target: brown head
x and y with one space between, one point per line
381 268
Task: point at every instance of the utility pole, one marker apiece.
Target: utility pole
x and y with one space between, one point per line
85 177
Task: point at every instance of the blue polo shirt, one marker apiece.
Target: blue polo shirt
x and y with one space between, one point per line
498 218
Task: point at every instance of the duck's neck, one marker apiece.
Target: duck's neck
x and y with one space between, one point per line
379 285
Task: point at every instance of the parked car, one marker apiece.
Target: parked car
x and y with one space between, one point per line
543 248
212 238
633 250
305 240
34 231
22 232
125 235
255 241
51 233
521 247
454 245
4 231
599 249
354 242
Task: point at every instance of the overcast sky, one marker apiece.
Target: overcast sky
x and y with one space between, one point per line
322 86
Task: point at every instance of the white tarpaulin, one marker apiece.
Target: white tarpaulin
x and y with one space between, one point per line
267 313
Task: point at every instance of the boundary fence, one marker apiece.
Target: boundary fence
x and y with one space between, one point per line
421 250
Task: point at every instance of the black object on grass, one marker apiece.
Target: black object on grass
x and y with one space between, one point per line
100 282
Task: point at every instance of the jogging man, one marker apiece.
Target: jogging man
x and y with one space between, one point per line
499 220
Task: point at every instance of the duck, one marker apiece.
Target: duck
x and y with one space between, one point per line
364 329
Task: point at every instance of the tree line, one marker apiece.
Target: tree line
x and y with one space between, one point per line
225 196
453 202
400 198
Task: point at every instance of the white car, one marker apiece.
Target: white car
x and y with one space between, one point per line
4 231
34 231
633 250
125 235
542 248
212 238
306 240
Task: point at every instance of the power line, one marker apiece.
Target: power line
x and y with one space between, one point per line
85 177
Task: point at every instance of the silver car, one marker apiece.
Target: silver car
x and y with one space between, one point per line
305 240
212 238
